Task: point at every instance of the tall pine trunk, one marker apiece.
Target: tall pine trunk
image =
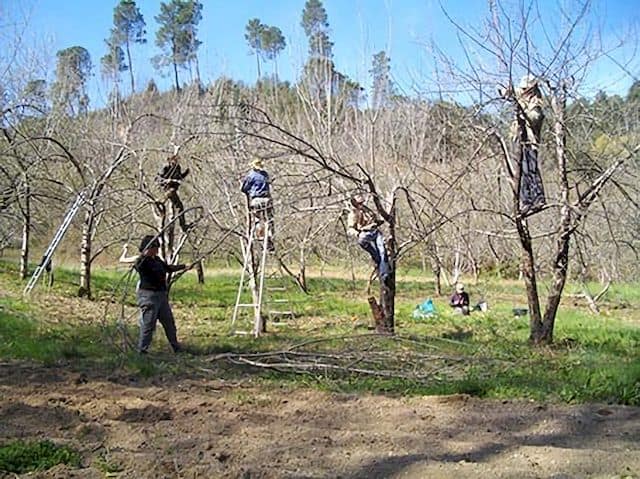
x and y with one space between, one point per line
130 69
175 74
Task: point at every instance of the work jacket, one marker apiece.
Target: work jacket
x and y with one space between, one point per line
256 184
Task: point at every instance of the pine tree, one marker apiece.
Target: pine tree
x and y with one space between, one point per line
382 88
177 35
254 37
72 72
273 42
128 28
112 64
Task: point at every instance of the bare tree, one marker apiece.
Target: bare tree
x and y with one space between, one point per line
549 44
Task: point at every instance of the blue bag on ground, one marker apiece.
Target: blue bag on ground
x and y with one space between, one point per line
424 310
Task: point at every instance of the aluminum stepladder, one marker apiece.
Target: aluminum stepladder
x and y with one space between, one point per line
62 229
259 301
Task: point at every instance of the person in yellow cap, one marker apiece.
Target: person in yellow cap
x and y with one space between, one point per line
257 188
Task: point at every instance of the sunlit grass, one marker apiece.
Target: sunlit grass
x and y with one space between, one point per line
593 358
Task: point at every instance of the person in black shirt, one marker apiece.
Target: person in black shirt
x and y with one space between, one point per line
170 178
460 300
152 294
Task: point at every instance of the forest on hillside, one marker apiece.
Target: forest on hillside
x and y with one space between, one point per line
440 171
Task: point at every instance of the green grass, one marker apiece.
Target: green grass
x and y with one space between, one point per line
19 457
593 358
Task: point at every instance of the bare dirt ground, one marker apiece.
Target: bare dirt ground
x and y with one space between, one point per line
207 428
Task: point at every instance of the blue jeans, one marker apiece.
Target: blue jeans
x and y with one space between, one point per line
373 243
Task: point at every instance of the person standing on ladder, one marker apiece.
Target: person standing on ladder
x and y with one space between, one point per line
170 178
257 189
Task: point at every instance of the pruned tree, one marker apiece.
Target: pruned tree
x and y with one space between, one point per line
552 48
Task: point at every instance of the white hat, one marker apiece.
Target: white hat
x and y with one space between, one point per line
459 287
528 81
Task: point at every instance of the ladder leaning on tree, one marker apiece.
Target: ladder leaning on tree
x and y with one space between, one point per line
57 238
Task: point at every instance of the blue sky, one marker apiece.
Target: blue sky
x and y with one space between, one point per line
359 28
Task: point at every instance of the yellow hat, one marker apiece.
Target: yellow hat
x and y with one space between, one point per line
257 163
459 287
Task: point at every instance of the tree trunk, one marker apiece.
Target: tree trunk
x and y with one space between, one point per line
529 274
560 267
200 272
130 68
561 261
175 75
85 254
302 275
387 304
26 233
388 287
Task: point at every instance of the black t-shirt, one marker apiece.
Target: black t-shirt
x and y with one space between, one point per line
459 300
153 272
171 175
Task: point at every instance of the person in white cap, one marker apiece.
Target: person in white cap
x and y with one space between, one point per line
526 137
460 300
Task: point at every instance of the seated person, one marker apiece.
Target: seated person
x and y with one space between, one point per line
460 300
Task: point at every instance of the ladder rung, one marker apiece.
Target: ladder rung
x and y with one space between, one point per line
247 305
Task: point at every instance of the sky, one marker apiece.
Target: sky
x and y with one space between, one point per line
359 28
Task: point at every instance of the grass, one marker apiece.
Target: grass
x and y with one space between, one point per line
20 457
593 358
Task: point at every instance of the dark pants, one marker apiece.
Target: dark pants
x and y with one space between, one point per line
154 306
373 243
178 207
531 188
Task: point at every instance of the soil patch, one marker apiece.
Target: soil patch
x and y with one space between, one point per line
207 428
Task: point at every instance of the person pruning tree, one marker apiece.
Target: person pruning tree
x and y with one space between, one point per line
170 178
256 187
153 296
525 136
363 224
